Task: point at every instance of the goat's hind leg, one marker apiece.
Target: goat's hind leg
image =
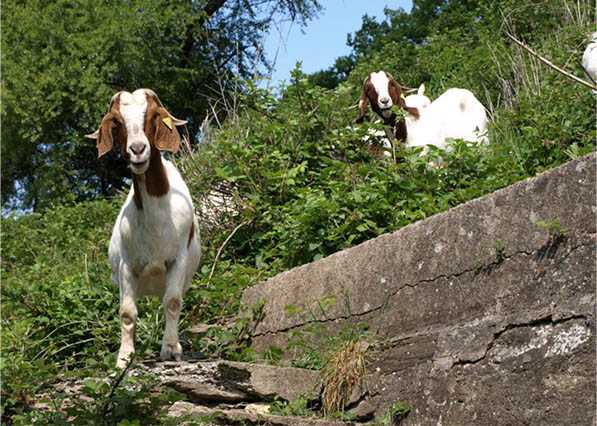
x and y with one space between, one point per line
128 316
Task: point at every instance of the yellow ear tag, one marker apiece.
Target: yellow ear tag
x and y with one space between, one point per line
402 95
168 122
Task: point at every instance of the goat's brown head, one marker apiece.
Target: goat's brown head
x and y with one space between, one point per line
382 92
141 126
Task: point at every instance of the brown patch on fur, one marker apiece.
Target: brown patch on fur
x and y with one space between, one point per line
397 97
400 131
369 95
191 234
156 180
137 193
174 304
112 121
163 137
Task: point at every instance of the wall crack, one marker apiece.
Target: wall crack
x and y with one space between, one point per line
476 270
546 320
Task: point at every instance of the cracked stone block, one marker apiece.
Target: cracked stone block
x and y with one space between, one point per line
207 392
483 314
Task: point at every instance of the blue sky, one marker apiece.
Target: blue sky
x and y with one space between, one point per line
324 38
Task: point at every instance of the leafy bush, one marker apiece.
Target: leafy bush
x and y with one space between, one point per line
57 301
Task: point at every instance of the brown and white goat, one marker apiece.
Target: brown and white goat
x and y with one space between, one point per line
456 114
383 92
154 248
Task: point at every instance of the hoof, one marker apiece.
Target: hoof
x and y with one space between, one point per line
123 360
171 351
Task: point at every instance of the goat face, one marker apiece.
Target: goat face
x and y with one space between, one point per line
382 92
381 83
141 126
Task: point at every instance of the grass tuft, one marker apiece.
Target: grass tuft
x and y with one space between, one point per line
343 373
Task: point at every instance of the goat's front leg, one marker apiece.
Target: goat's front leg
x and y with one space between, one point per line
128 316
172 302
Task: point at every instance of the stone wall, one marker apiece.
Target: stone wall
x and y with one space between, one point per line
482 315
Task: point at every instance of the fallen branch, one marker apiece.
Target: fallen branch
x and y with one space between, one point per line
213 267
550 64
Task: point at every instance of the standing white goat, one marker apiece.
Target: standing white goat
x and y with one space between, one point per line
154 249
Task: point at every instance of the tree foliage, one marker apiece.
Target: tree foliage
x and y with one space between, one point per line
63 60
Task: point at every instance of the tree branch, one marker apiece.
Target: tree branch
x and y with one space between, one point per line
212 7
550 64
208 11
213 267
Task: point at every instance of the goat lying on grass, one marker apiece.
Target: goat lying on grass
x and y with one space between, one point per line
154 249
456 114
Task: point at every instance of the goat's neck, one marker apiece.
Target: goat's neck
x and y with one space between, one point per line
154 182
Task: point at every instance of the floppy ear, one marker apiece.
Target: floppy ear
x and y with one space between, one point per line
103 135
395 92
166 134
363 102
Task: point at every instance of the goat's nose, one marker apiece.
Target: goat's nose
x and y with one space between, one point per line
138 148
385 101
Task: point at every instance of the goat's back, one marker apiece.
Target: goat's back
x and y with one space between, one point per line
461 115
589 60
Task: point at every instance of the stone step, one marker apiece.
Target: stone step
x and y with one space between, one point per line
230 382
252 414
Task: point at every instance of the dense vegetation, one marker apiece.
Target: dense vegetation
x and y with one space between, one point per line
301 184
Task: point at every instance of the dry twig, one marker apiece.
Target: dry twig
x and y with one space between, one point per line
213 267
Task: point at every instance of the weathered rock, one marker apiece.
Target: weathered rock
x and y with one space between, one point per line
224 381
185 408
364 411
208 392
269 382
485 313
259 409
234 416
